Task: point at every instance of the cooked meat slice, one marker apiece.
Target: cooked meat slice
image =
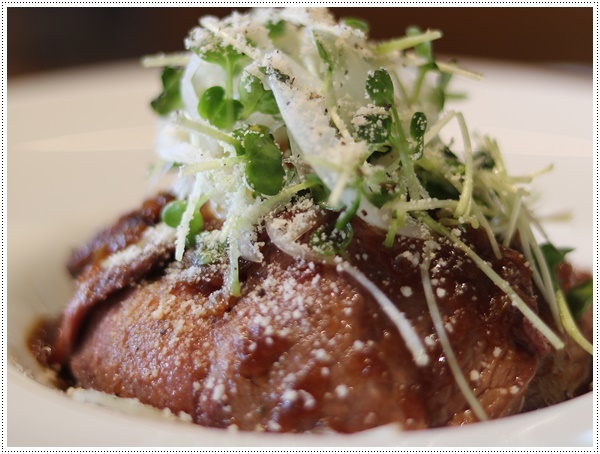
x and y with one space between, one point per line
127 230
562 374
102 279
306 346
565 373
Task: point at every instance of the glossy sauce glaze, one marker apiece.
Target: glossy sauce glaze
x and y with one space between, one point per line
306 347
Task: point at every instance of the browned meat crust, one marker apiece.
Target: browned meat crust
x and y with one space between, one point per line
127 230
305 347
566 373
97 280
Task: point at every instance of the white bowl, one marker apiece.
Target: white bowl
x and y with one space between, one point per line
79 143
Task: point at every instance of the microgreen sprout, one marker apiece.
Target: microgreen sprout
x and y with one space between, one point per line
356 23
373 127
209 251
319 191
380 89
487 269
407 41
217 104
170 98
554 257
172 213
208 131
219 110
254 97
424 50
387 148
253 145
347 215
231 60
418 125
440 93
392 229
270 71
568 309
276 29
580 297
328 240
441 331
569 324
379 188
483 159
264 160
327 61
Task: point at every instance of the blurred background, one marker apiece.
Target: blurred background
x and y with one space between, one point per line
40 39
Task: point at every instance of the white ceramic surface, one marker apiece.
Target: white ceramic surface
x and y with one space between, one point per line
79 145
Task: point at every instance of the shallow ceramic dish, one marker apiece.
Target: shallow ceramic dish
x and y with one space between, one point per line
79 145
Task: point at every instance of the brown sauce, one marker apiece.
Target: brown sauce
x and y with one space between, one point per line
255 355
40 342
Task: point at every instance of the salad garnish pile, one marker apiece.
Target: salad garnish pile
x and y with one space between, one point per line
273 105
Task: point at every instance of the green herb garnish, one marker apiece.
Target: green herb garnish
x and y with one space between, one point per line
172 213
580 297
554 257
219 110
170 98
255 98
328 240
380 89
356 23
375 146
264 161
217 104
425 51
228 58
276 29
418 125
374 128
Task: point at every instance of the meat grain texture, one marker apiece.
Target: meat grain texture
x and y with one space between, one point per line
306 347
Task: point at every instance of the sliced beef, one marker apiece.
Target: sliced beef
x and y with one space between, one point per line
306 347
566 373
563 374
100 280
127 230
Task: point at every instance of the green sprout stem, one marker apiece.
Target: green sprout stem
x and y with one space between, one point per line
417 87
392 229
450 68
349 213
569 323
207 131
229 69
400 142
546 285
234 270
403 94
178 59
516 300
407 42
466 196
438 323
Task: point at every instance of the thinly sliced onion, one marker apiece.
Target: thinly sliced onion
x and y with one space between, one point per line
406 330
290 246
438 323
